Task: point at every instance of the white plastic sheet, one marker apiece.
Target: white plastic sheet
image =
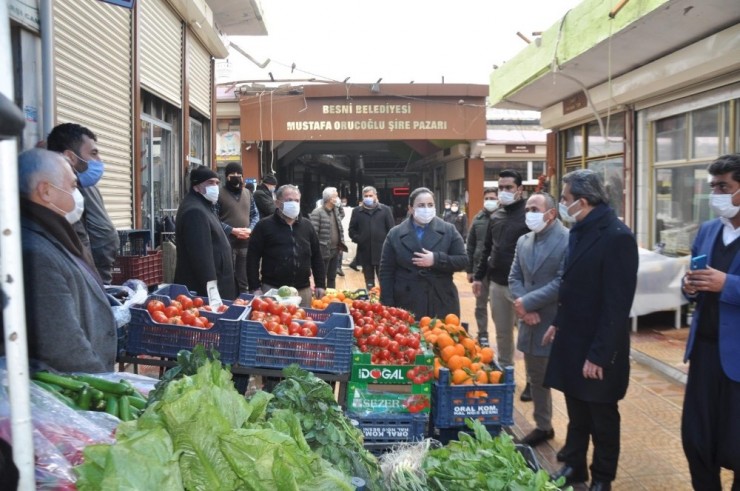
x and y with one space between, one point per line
658 283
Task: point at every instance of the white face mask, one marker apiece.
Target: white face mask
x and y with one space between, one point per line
722 204
211 193
535 221
567 217
337 202
506 197
454 209
490 205
291 209
424 215
75 214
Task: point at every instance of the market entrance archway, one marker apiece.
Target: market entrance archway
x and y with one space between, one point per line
392 136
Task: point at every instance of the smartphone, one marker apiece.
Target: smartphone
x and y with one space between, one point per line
699 262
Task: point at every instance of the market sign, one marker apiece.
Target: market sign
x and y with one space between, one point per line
25 12
520 148
294 117
574 103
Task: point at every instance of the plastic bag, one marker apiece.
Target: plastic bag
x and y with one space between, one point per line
292 300
60 433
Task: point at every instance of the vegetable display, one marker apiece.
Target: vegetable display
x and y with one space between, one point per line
283 320
328 431
476 462
385 333
203 435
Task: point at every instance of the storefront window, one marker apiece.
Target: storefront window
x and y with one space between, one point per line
612 170
614 129
681 204
574 142
670 138
705 132
197 155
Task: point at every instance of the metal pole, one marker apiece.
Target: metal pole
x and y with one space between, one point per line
11 270
47 65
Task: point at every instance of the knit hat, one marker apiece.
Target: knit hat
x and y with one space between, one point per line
201 174
233 168
269 179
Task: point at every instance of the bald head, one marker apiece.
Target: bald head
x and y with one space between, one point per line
38 165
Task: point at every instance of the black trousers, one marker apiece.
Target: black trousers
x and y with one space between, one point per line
597 421
710 424
370 271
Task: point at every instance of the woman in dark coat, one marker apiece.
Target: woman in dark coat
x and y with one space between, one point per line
419 258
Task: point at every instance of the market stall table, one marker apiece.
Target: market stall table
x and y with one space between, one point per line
658 285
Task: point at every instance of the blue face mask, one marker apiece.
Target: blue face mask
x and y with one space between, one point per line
92 175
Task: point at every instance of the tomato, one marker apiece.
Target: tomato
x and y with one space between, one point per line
206 308
188 318
306 332
198 302
186 301
311 325
292 309
175 303
154 306
271 326
285 317
171 311
192 311
294 328
160 317
358 332
258 305
198 322
275 308
300 313
175 320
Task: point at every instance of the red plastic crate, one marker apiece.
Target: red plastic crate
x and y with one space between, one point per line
145 268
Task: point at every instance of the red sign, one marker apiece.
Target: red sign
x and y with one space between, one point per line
400 191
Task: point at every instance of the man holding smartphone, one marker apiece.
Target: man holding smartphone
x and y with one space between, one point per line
710 426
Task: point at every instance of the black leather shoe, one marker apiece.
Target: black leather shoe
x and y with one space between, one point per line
600 486
537 436
353 265
572 475
340 272
561 455
526 394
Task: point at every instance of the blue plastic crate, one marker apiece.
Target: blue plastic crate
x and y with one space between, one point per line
171 291
147 337
382 431
322 315
491 404
329 352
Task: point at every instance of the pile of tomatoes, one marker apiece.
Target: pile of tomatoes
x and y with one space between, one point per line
282 319
385 333
182 311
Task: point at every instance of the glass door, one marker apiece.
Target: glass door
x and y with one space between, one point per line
159 182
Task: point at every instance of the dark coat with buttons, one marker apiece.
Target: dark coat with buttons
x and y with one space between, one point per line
423 291
595 297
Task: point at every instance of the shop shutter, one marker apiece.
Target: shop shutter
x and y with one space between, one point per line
160 50
199 76
92 63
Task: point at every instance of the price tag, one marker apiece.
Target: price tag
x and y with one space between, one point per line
214 298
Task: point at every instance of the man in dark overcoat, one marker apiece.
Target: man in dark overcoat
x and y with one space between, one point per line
589 360
203 250
419 258
368 227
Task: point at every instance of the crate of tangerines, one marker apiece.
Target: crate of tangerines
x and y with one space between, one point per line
468 384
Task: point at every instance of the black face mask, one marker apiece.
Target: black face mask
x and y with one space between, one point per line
235 183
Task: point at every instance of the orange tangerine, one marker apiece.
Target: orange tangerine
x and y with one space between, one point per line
425 321
447 352
486 355
481 377
495 377
455 362
444 340
452 319
460 376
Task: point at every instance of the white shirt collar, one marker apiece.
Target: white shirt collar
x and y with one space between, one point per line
729 232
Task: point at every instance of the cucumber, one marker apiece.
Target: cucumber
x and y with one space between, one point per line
136 402
124 409
84 400
111 405
105 385
64 382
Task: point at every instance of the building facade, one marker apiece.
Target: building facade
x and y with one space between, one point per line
648 95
